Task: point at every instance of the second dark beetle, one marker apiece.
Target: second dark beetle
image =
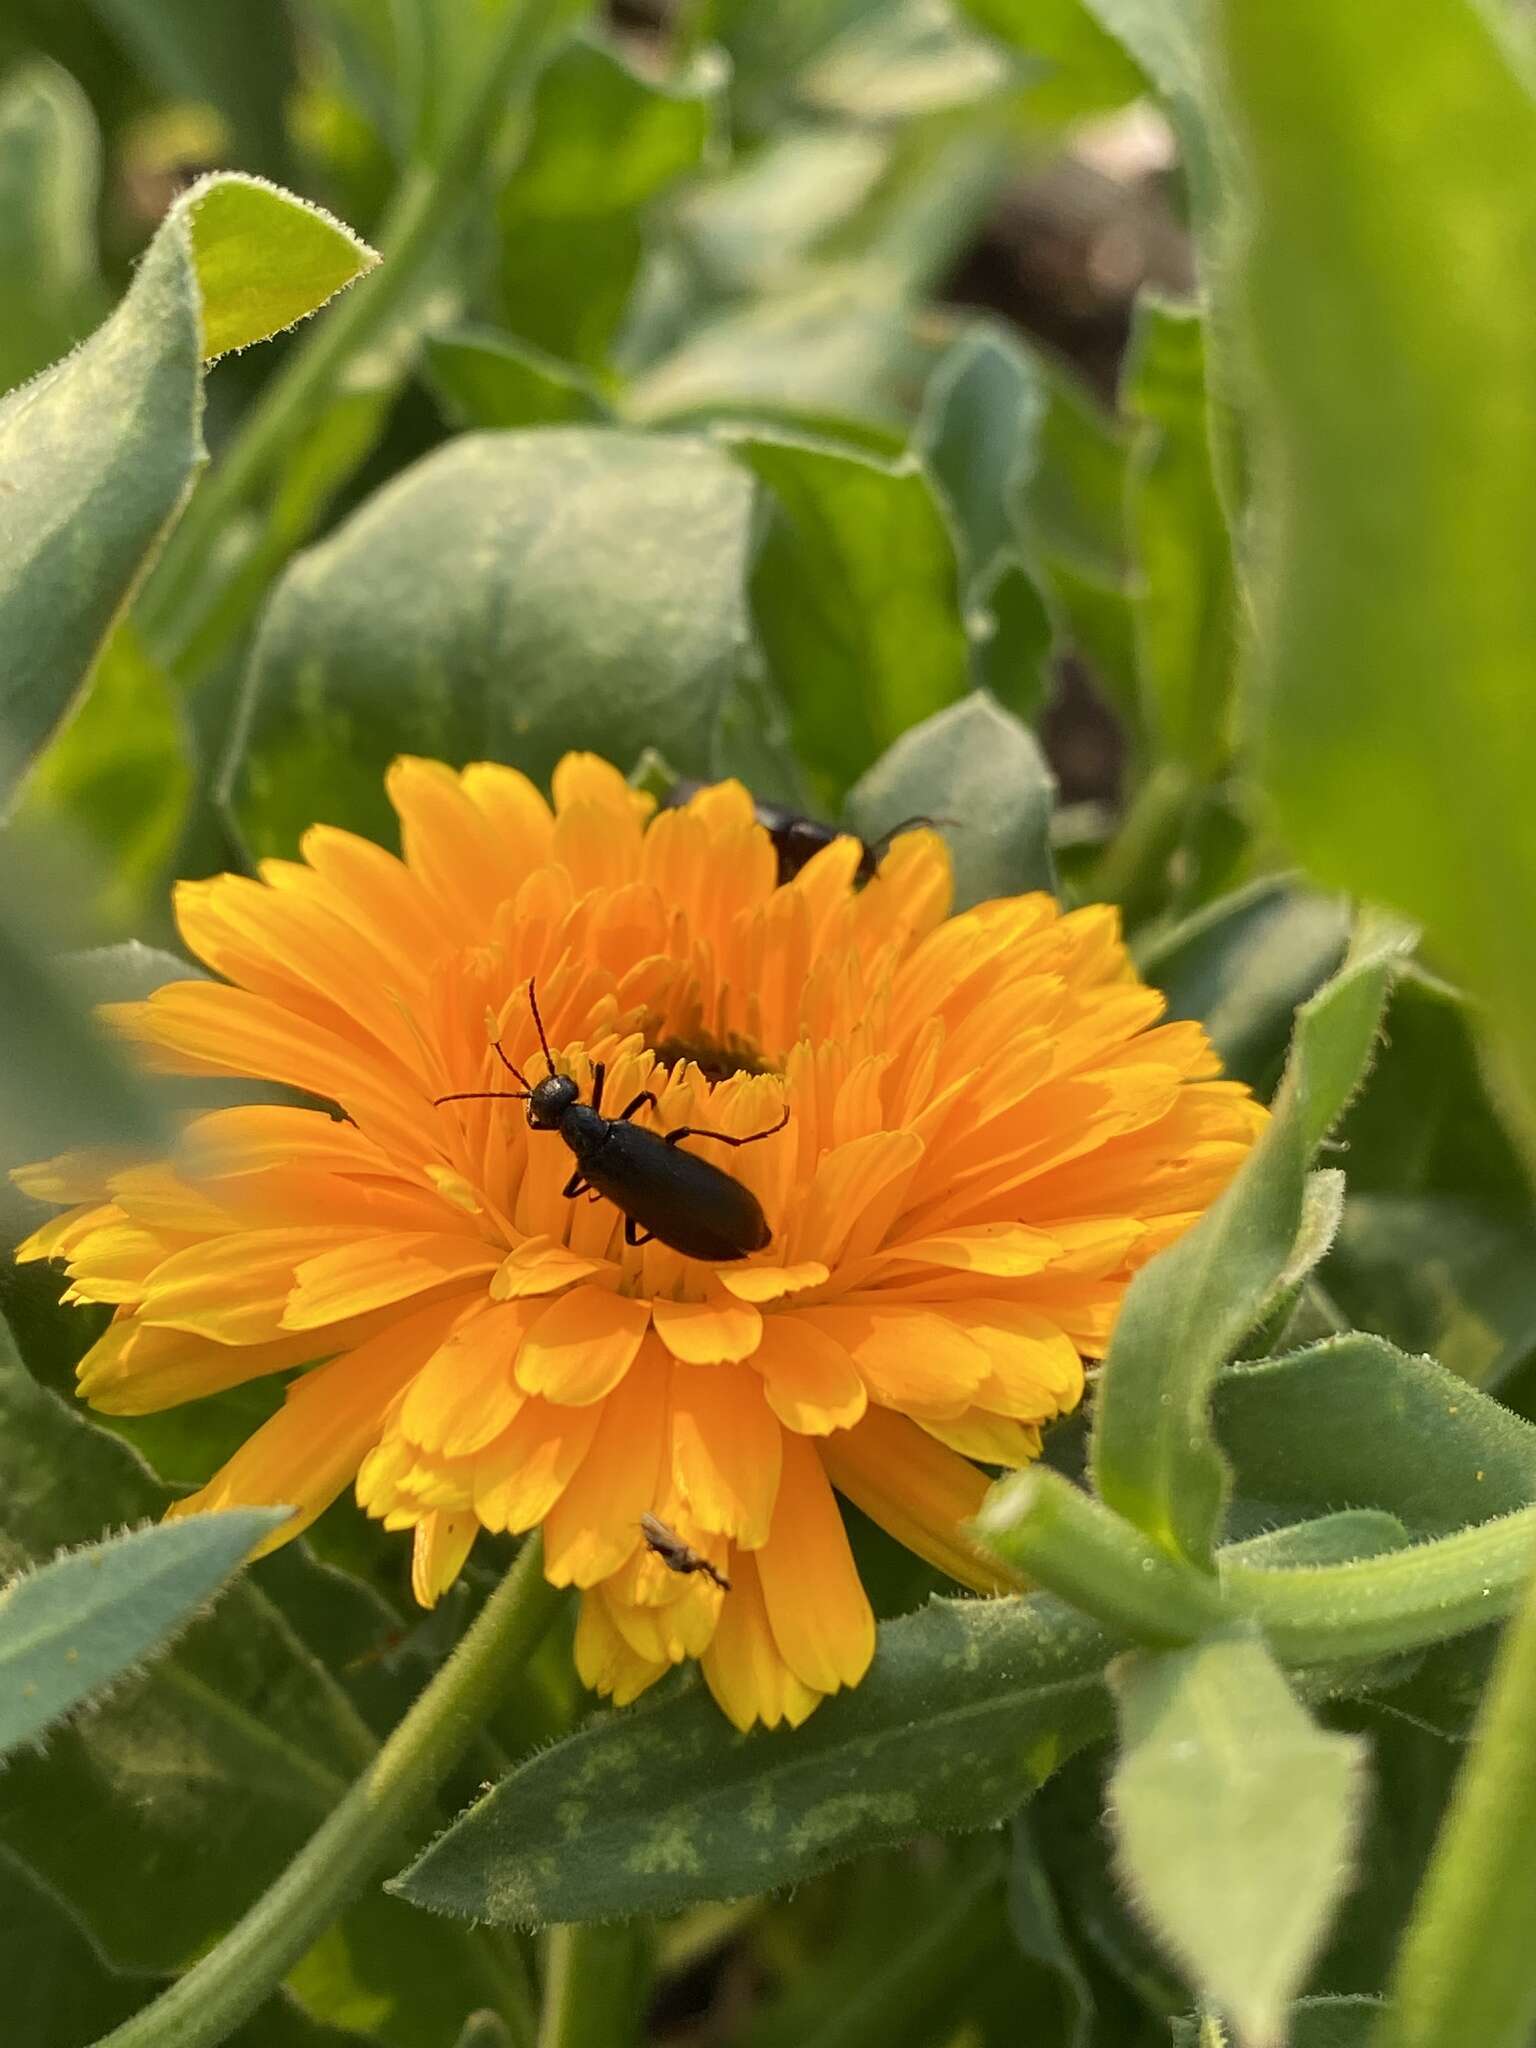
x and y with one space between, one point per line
663 1192
797 838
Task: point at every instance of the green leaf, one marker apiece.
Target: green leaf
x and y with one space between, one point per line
50 171
979 771
1153 1455
1083 70
483 378
968 1705
1397 611
978 433
62 1084
264 260
838 356
1012 636
1035 1921
60 1994
1344 2022
1465 1971
1243 964
236 1734
1438 1249
118 777
1353 1419
69 1628
856 598
1235 1818
99 453
604 142
508 598
1183 595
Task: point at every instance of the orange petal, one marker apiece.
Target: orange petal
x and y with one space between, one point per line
811 1383
1035 1370
710 1332
1003 1251
594 1527
725 1449
918 1492
304 1455
821 1617
743 1667
443 1541
581 1345
374 1271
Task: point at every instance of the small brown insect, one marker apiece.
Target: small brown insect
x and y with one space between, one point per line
677 1555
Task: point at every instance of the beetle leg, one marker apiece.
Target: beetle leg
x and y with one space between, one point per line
599 1075
695 1131
644 1096
632 1232
574 1186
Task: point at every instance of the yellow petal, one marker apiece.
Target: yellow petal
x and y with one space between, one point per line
138 1368
539 1265
725 1449
906 1356
466 1393
370 1272
918 1492
989 1438
443 1542
811 1383
605 1661
518 1479
708 1332
1004 1251
821 1617
235 1288
304 1455
581 1345
743 1666
761 1284
594 1527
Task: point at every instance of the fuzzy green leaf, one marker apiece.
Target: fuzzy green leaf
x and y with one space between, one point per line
1235 1817
98 453
981 774
50 151
857 600
237 1733
510 597
969 1705
1397 611
483 378
1153 1455
1353 1419
68 1629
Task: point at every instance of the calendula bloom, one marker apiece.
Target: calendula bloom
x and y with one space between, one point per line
989 1131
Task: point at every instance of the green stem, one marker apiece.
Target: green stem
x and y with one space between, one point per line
593 1995
1071 1542
421 215
1404 1600
1467 1969
210 2001
1134 869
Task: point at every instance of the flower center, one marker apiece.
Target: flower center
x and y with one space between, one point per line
716 1059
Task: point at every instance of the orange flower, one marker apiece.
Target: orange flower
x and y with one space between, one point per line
988 1133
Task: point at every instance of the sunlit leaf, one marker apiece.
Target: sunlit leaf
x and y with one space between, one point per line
1235 1817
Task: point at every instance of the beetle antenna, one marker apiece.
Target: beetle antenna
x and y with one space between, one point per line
485 1095
882 844
538 1023
516 1072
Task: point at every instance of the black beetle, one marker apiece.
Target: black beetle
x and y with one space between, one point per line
677 1555
696 1208
797 838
